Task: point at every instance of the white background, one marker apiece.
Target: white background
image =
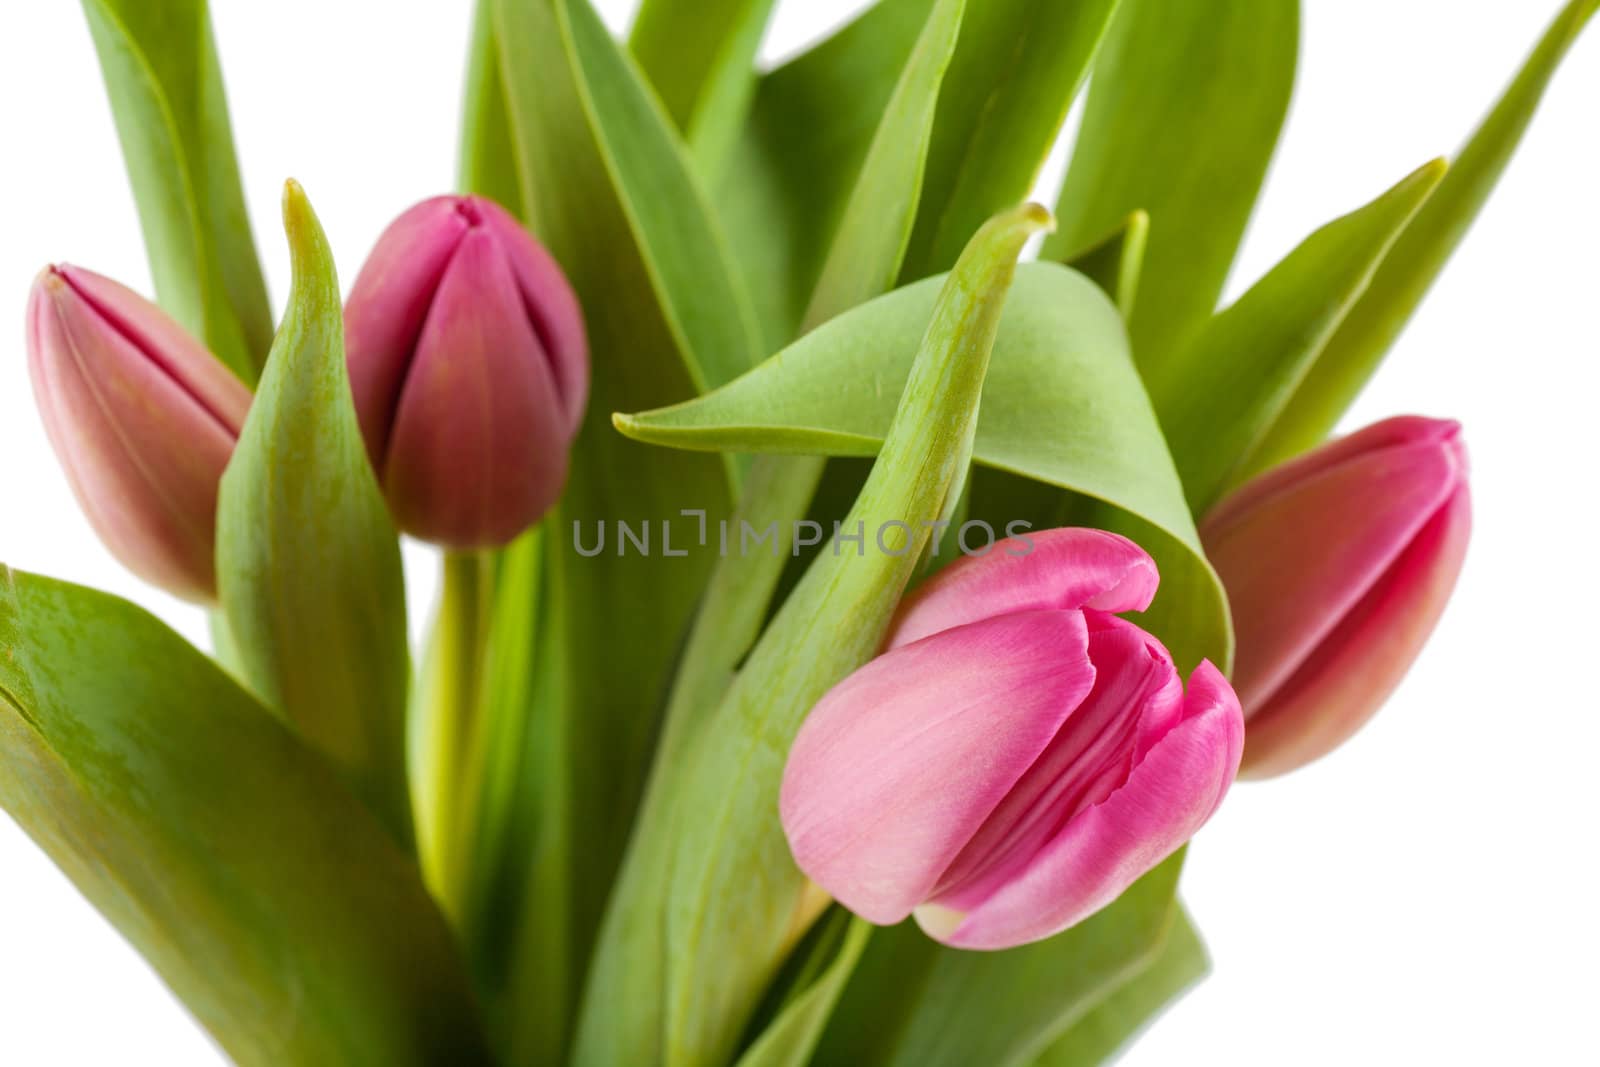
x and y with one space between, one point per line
1426 895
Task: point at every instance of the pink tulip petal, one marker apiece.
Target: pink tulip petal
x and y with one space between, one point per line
1397 432
185 360
388 306
1067 568
476 399
1353 671
1299 560
551 305
1109 846
899 764
1136 693
142 455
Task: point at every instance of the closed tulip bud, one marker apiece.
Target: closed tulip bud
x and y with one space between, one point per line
1018 756
470 371
143 419
1337 566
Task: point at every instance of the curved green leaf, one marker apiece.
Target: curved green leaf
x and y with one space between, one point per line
1182 118
1113 262
262 891
488 157
799 159
792 1036
165 87
1015 72
914 1003
700 57
679 238
308 562
865 258
869 244
600 671
1230 384
696 933
867 252
1100 1036
1063 406
1418 256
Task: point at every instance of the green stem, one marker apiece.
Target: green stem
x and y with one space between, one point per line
447 718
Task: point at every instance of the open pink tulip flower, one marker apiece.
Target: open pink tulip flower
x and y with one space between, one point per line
143 419
1337 566
470 371
1017 757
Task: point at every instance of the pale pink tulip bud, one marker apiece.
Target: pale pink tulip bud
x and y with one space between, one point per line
470 371
1018 757
1337 566
143 419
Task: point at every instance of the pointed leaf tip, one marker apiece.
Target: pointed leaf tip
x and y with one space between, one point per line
1028 219
300 223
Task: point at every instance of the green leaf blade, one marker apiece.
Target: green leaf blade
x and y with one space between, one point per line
733 900
1063 406
600 671
1015 72
261 890
795 168
308 561
1113 262
869 244
791 1038
1101 1035
1182 118
700 57
1420 253
1233 381
916 1003
683 249
165 87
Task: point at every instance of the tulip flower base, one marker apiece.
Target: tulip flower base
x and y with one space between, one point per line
843 626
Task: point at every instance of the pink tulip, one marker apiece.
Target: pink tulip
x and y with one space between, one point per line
1338 565
470 371
143 419
1018 757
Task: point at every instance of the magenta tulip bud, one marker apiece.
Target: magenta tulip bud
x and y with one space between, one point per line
1018 757
143 419
1337 566
470 371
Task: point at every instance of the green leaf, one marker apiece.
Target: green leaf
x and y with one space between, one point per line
1016 69
798 163
1182 118
719 919
266 896
914 1003
488 157
1419 255
1101 1035
308 562
700 57
789 1039
866 255
1063 406
1113 262
869 244
1230 384
865 258
610 625
689 261
165 86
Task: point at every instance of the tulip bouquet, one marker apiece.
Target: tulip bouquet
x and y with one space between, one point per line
836 644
